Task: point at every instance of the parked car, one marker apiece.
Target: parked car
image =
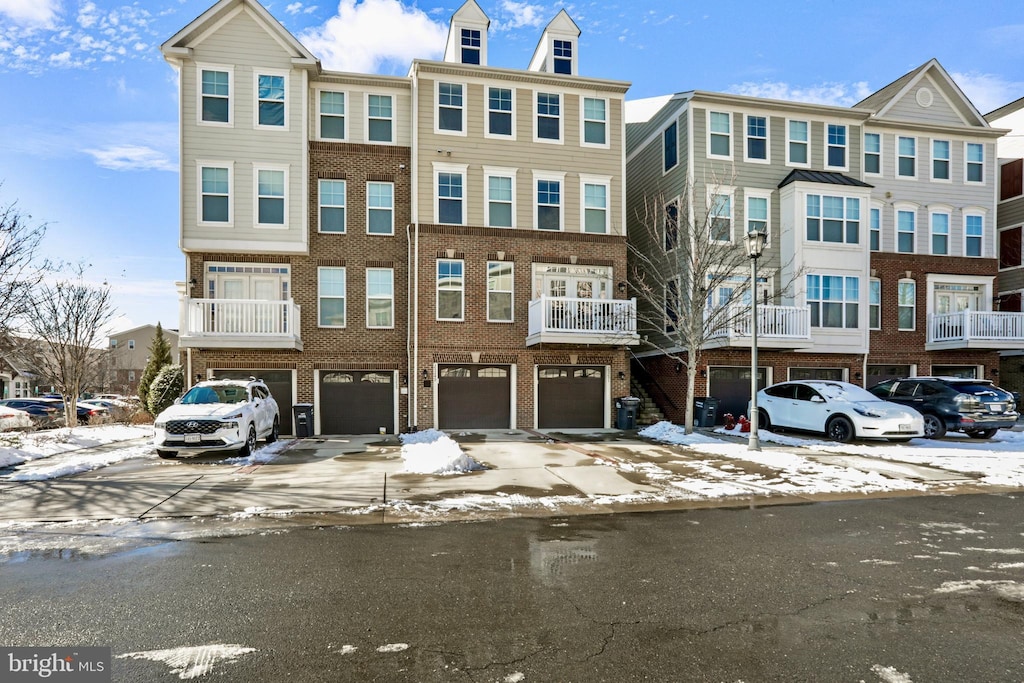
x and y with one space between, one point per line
840 410
120 410
44 414
12 418
218 415
976 407
87 414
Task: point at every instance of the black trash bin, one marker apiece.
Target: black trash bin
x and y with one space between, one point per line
303 419
705 411
627 409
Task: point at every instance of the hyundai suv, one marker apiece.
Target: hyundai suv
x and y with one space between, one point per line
218 415
973 406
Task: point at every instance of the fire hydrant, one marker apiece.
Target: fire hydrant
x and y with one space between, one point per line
730 421
744 424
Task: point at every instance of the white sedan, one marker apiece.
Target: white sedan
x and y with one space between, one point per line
840 410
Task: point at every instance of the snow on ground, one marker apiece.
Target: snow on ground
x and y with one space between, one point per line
58 447
434 452
192 662
263 455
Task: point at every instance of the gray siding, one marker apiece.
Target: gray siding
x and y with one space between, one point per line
939 112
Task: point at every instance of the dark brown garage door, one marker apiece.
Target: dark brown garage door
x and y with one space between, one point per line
356 401
731 386
570 396
474 396
280 384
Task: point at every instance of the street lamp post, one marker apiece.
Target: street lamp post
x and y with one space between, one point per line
755 245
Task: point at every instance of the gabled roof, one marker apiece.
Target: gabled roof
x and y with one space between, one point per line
882 101
824 177
469 15
1005 110
561 25
179 45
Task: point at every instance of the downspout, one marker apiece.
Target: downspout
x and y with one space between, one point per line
414 265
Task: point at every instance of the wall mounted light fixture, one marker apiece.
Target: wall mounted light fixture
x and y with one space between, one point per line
622 375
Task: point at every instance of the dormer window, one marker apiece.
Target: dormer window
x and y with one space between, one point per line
563 56
470 46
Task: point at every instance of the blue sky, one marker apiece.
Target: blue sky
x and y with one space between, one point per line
88 133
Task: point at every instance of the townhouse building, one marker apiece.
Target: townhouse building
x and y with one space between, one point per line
881 219
445 249
128 354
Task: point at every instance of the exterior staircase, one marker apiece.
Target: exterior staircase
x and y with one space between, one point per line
649 411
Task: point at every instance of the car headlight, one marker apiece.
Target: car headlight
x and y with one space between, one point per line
864 410
237 415
160 424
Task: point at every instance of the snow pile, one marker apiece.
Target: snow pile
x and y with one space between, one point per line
262 456
671 433
434 452
16 449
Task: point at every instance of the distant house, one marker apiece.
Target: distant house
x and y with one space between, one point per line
18 376
129 353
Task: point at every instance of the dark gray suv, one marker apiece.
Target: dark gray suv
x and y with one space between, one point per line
973 406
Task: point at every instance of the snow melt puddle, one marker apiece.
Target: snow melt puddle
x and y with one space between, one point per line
434 452
192 662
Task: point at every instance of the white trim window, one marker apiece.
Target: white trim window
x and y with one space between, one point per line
974 162
759 211
451 110
670 147
562 58
594 124
720 216
380 298
906 220
471 45
834 301
450 290
757 146
216 83
906 311
500 291
872 153
940 160
833 219
672 305
547 126
594 193
271 111
380 114
548 207
671 224
719 134
906 156
874 304
331 121
940 232
798 143
499 199
271 196
835 146
380 208
875 228
331 296
451 194
501 116
215 183
331 195
974 234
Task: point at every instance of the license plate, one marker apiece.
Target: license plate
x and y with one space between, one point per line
906 428
193 438
995 407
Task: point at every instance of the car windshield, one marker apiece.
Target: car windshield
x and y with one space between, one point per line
220 393
980 389
843 392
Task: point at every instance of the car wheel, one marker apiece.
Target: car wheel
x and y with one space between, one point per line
982 433
840 429
168 455
250 443
763 421
275 431
934 427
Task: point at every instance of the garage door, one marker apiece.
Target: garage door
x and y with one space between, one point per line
880 373
280 384
474 396
356 401
731 386
570 396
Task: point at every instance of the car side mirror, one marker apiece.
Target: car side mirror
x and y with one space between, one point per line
817 399
177 400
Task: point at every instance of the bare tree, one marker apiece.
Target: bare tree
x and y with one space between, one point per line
69 318
21 269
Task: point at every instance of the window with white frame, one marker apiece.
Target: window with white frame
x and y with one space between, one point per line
549 204
720 134
451 114
876 229
874 304
131 343
499 112
833 219
131 375
549 116
500 205
940 159
757 138
834 300
670 147
835 145
380 118
975 159
798 143
380 208
270 101
906 314
905 230
215 91
758 212
974 232
271 200
940 233
595 205
500 280
450 205
672 305
332 205
471 45
671 225
332 115
380 297
873 153
331 296
595 121
906 157
720 218
450 289
562 56
215 194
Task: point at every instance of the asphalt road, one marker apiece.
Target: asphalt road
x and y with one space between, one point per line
908 590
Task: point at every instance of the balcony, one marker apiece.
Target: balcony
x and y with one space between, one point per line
778 327
564 320
240 324
976 330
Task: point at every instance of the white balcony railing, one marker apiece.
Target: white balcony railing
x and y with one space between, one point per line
242 323
774 323
582 321
978 329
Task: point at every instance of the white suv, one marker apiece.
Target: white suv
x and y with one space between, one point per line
217 415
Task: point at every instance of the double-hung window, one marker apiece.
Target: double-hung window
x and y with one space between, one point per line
797 153
906 157
671 225
450 289
974 231
549 204
940 159
876 229
595 205
499 112
470 43
380 208
450 198
380 297
905 231
500 206
975 158
835 144
549 116
380 118
499 291
906 311
215 192
331 296
271 203
758 211
720 134
332 205
332 115
757 138
595 121
874 304
451 114
720 218
562 54
940 234
670 147
215 89
270 109
834 300
833 219
873 153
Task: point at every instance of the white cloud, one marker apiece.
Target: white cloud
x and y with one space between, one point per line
375 36
988 91
838 94
87 16
121 146
30 12
513 15
296 8
131 158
